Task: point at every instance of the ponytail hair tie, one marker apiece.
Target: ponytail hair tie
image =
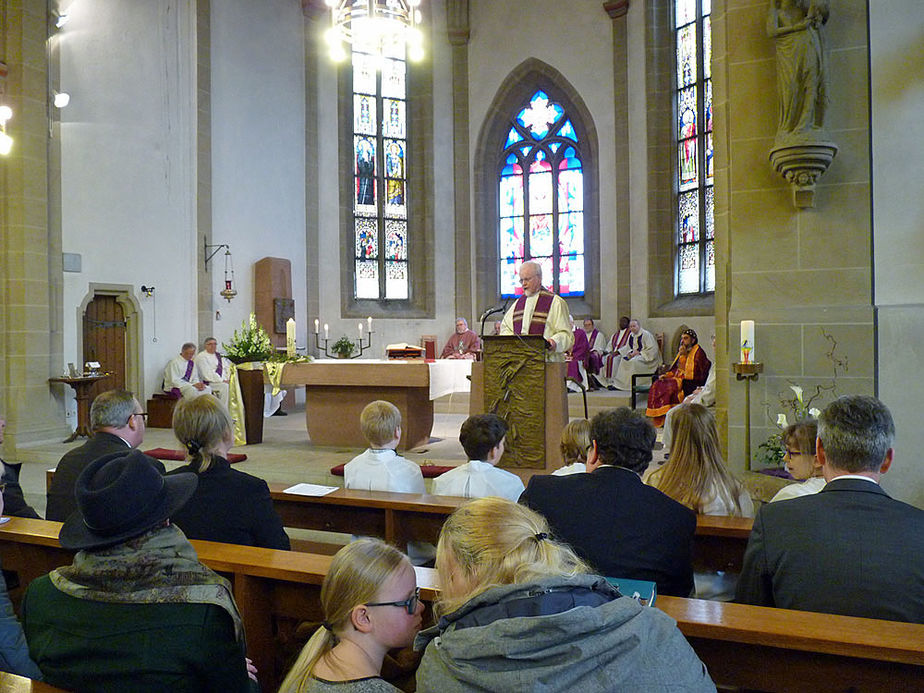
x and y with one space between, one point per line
541 535
193 446
327 626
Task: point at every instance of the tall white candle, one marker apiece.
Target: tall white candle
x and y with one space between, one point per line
326 332
360 325
747 341
290 337
315 325
370 323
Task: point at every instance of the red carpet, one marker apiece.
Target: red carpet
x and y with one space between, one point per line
179 455
429 471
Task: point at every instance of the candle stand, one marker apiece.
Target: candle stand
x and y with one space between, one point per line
359 344
747 372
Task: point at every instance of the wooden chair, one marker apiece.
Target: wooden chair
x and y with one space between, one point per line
639 386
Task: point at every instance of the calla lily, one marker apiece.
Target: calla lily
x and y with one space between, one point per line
798 391
814 413
781 420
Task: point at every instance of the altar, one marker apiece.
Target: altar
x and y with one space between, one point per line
336 391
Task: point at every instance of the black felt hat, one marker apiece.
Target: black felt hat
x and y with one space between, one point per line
121 496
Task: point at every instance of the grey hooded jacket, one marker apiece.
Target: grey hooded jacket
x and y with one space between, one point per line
557 634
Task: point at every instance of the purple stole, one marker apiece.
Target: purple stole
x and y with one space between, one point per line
594 359
540 313
613 359
189 369
218 370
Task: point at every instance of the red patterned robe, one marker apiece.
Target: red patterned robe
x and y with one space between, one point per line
686 373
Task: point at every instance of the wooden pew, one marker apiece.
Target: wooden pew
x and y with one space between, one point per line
397 518
754 647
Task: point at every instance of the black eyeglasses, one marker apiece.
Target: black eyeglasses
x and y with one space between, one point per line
793 453
142 414
410 603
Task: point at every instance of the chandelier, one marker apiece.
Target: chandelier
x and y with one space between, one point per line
381 27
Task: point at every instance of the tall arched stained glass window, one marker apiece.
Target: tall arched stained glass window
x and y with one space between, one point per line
695 240
380 175
541 199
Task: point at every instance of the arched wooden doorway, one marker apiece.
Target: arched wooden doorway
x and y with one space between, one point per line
104 328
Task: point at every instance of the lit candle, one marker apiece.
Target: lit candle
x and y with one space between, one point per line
315 325
360 325
290 337
747 341
325 331
370 323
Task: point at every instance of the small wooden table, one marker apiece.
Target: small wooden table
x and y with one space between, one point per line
81 387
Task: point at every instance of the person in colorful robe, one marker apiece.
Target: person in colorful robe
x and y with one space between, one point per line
540 312
215 370
613 357
688 372
596 342
577 362
181 377
463 344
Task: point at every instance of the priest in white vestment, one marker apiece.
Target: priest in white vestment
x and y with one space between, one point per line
181 378
214 370
540 312
640 354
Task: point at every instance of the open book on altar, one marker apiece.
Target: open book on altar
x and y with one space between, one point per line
404 351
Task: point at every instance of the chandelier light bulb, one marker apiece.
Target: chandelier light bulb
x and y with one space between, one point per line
5 113
62 99
6 144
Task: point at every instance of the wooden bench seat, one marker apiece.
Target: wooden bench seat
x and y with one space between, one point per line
749 646
160 410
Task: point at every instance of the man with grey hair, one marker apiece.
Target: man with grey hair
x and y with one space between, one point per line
118 422
849 549
463 344
181 377
540 312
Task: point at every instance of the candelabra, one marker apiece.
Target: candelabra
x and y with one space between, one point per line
358 343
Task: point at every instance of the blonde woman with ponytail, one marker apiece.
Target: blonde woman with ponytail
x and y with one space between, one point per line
371 605
519 611
228 505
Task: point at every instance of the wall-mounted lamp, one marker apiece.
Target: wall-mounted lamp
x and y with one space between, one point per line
147 290
61 99
6 142
229 291
60 19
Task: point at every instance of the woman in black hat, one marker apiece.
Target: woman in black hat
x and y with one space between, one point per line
136 611
228 505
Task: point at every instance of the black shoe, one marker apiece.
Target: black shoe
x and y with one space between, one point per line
279 412
611 387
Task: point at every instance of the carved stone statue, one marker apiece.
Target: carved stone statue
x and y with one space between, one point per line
800 65
801 152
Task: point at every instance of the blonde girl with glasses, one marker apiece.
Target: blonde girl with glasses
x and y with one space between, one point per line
371 605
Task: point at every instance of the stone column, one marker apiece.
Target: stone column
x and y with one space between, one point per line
457 20
617 10
30 245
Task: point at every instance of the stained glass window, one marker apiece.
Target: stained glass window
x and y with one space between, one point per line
694 241
380 186
541 199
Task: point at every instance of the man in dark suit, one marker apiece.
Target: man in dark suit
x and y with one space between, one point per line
620 526
849 549
118 422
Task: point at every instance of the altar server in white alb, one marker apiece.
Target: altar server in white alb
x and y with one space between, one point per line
540 312
482 437
380 468
181 378
639 355
214 369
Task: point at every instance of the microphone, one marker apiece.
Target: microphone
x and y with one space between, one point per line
492 311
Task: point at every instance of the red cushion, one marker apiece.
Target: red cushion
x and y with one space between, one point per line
429 470
179 455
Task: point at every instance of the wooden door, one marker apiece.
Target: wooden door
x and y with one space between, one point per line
104 341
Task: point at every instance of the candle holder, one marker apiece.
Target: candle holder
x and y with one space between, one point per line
747 372
358 342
